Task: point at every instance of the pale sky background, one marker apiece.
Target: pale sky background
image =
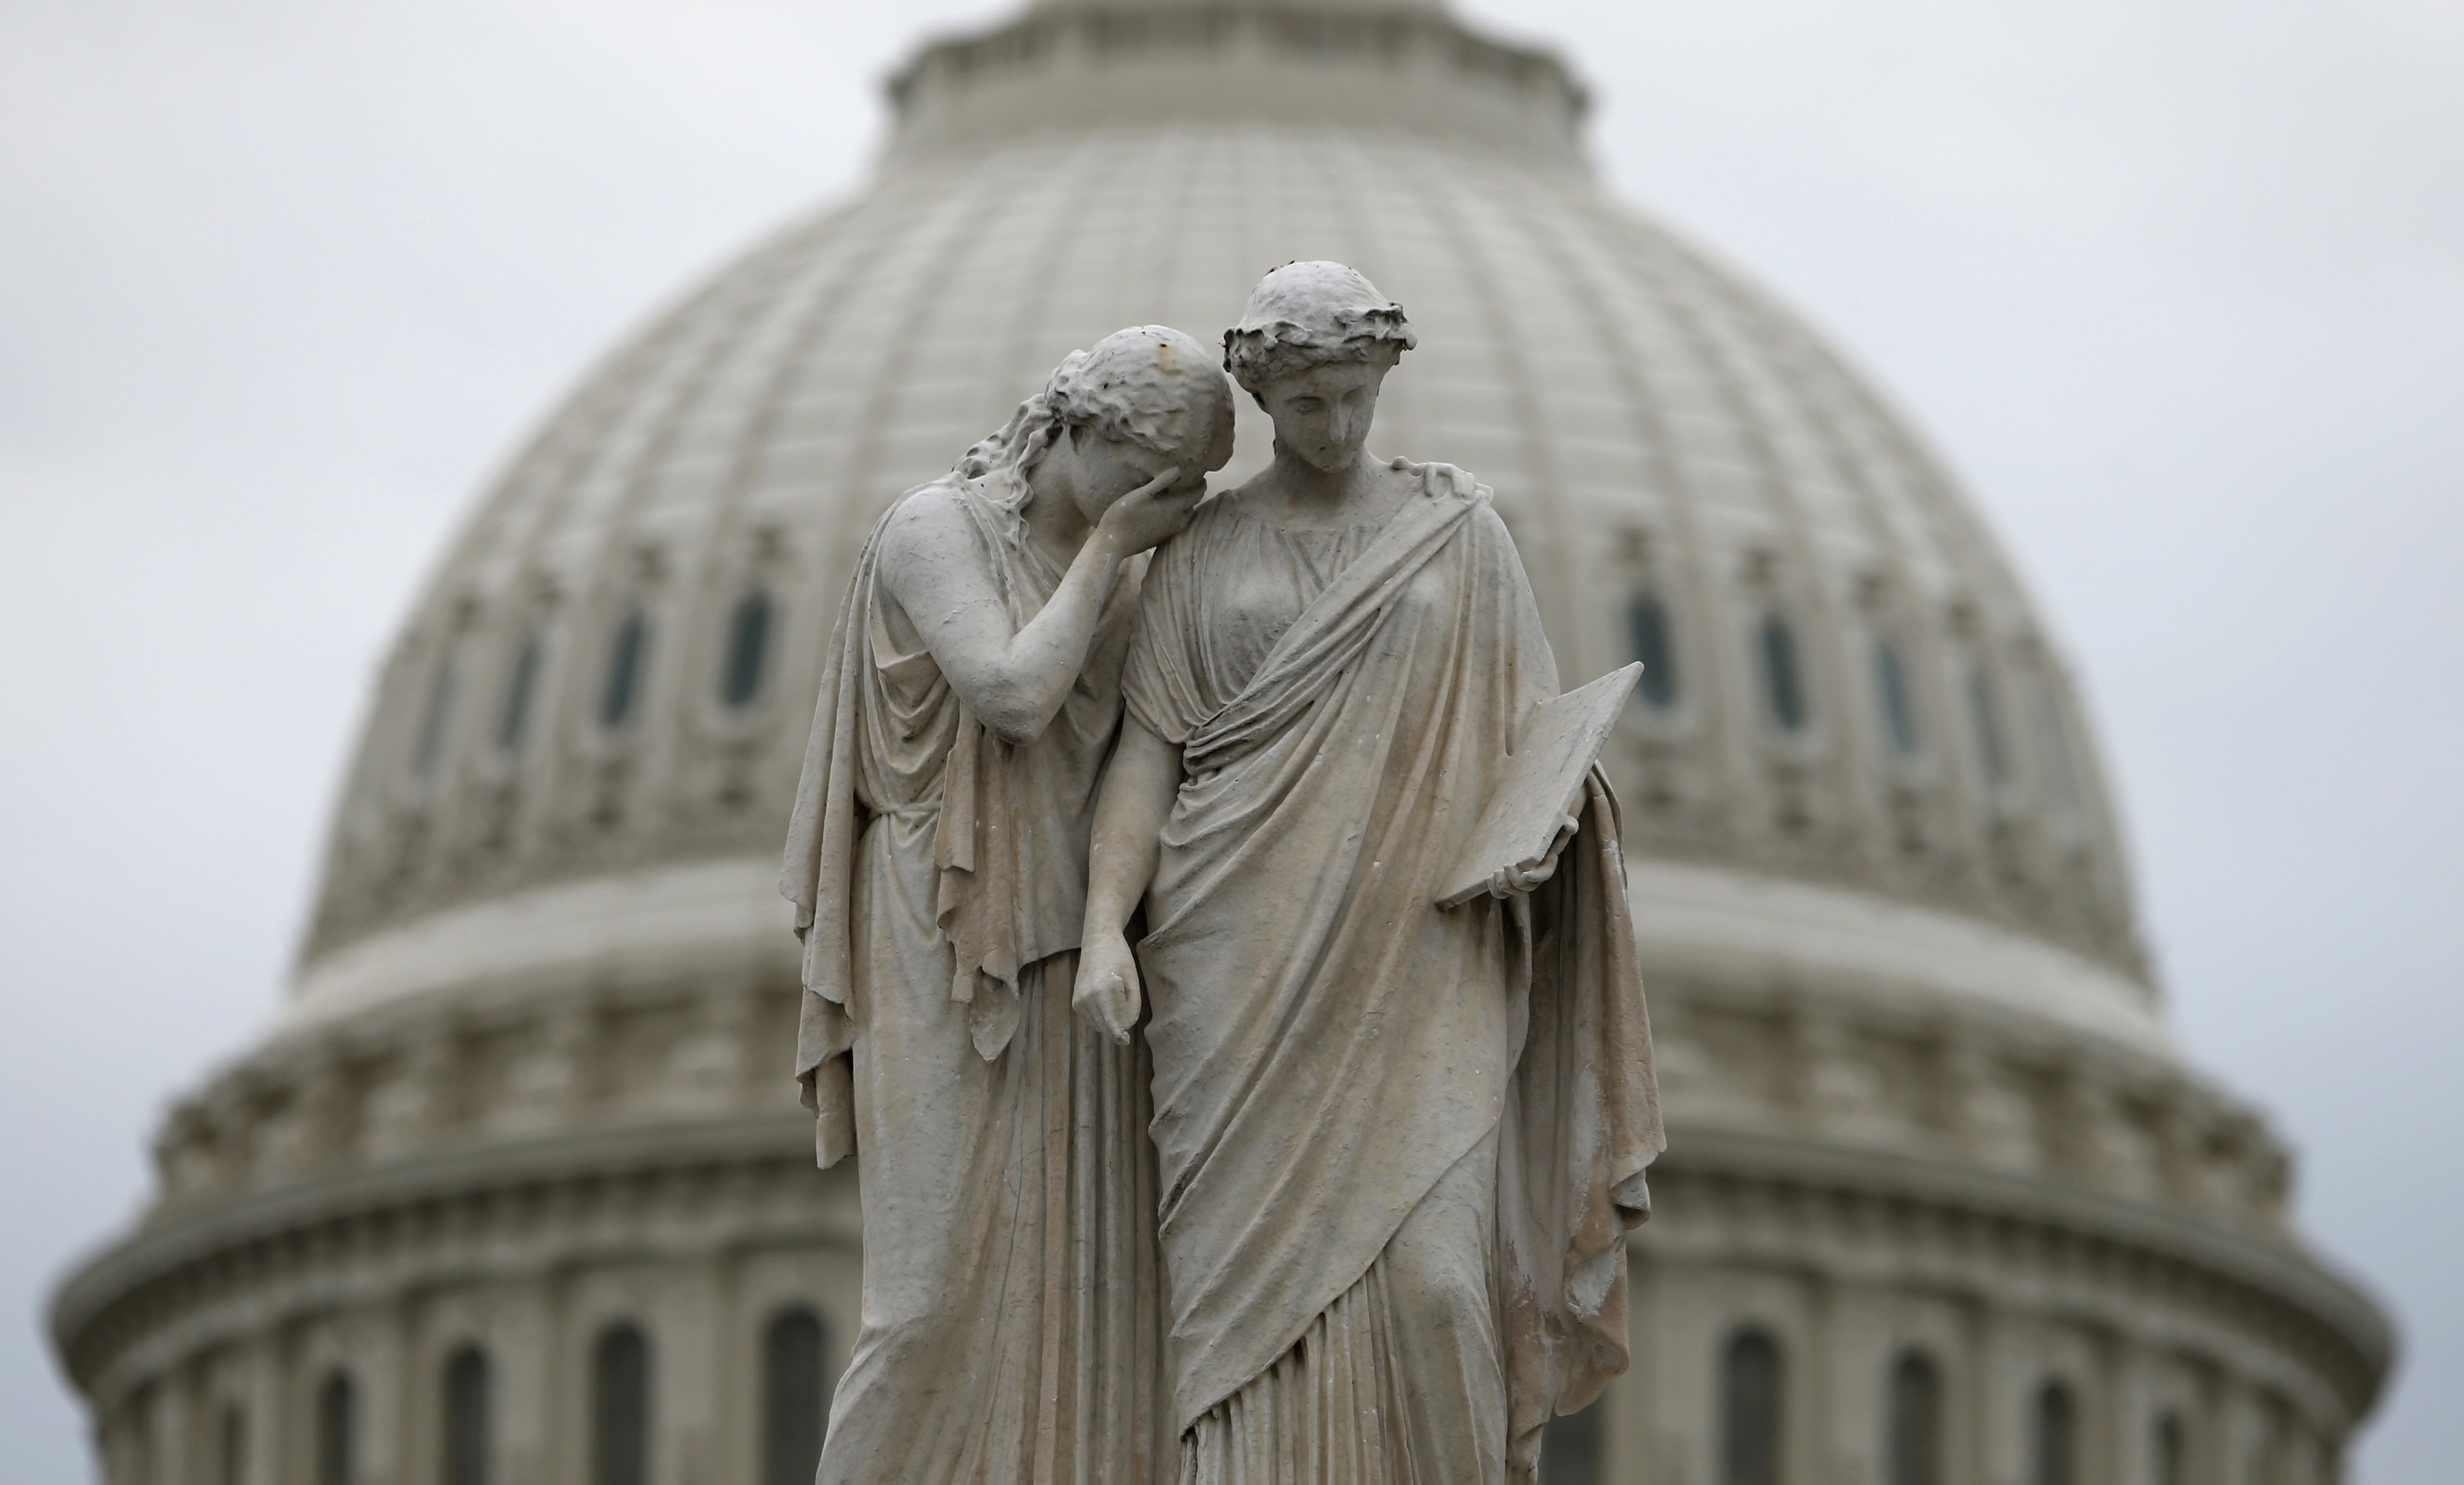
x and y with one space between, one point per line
2177 284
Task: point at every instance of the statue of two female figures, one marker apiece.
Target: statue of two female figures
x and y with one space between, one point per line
1322 1184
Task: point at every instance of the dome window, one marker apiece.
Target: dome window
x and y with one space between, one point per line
1915 1423
2053 751
513 720
1891 693
1750 1408
468 1403
796 1398
338 1408
1783 681
437 719
622 688
1985 718
2056 1437
1646 626
235 1458
2173 1452
748 644
620 1408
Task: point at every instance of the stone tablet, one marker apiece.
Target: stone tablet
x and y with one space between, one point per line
1545 774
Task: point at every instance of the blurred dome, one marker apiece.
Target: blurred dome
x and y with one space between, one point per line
1850 689
1905 1018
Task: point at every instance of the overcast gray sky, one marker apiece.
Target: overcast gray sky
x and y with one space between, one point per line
2177 284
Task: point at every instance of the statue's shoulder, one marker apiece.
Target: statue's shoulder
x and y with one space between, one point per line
933 500
927 531
928 514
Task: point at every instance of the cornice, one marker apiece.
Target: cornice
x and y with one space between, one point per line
2269 1283
570 1182
137 1283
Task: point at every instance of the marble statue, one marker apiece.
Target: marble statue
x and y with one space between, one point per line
1012 1316
1400 1145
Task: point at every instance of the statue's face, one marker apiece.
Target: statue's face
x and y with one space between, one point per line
1104 470
1323 414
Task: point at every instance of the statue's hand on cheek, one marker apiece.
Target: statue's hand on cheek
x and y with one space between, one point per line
1154 512
1107 991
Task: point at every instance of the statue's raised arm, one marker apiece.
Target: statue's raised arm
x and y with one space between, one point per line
937 860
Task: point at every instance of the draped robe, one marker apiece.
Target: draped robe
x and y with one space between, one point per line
1400 1146
1012 1327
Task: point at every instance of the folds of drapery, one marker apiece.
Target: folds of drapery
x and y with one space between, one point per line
1580 1128
890 736
1012 1321
818 874
1328 1043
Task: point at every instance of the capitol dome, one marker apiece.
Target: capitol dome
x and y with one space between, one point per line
1941 1194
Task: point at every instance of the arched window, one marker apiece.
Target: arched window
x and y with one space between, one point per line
1783 685
235 1447
1915 1423
1646 625
2056 1437
136 1444
1749 1411
620 1408
748 644
1570 1449
437 719
2053 751
1985 716
1891 693
2268 1454
795 1400
468 1409
626 649
337 1427
513 721
2173 1452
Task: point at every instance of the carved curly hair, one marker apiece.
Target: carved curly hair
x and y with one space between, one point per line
1312 314
1149 385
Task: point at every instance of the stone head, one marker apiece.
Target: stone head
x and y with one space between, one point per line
1313 348
1143 401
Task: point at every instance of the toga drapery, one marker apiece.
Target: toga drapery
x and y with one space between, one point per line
1012 1321
1400 1147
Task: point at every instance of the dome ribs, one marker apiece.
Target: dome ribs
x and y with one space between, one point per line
1682 576
1542 496
851 355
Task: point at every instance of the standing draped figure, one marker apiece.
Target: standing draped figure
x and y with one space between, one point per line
1012 1318
1400 1146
